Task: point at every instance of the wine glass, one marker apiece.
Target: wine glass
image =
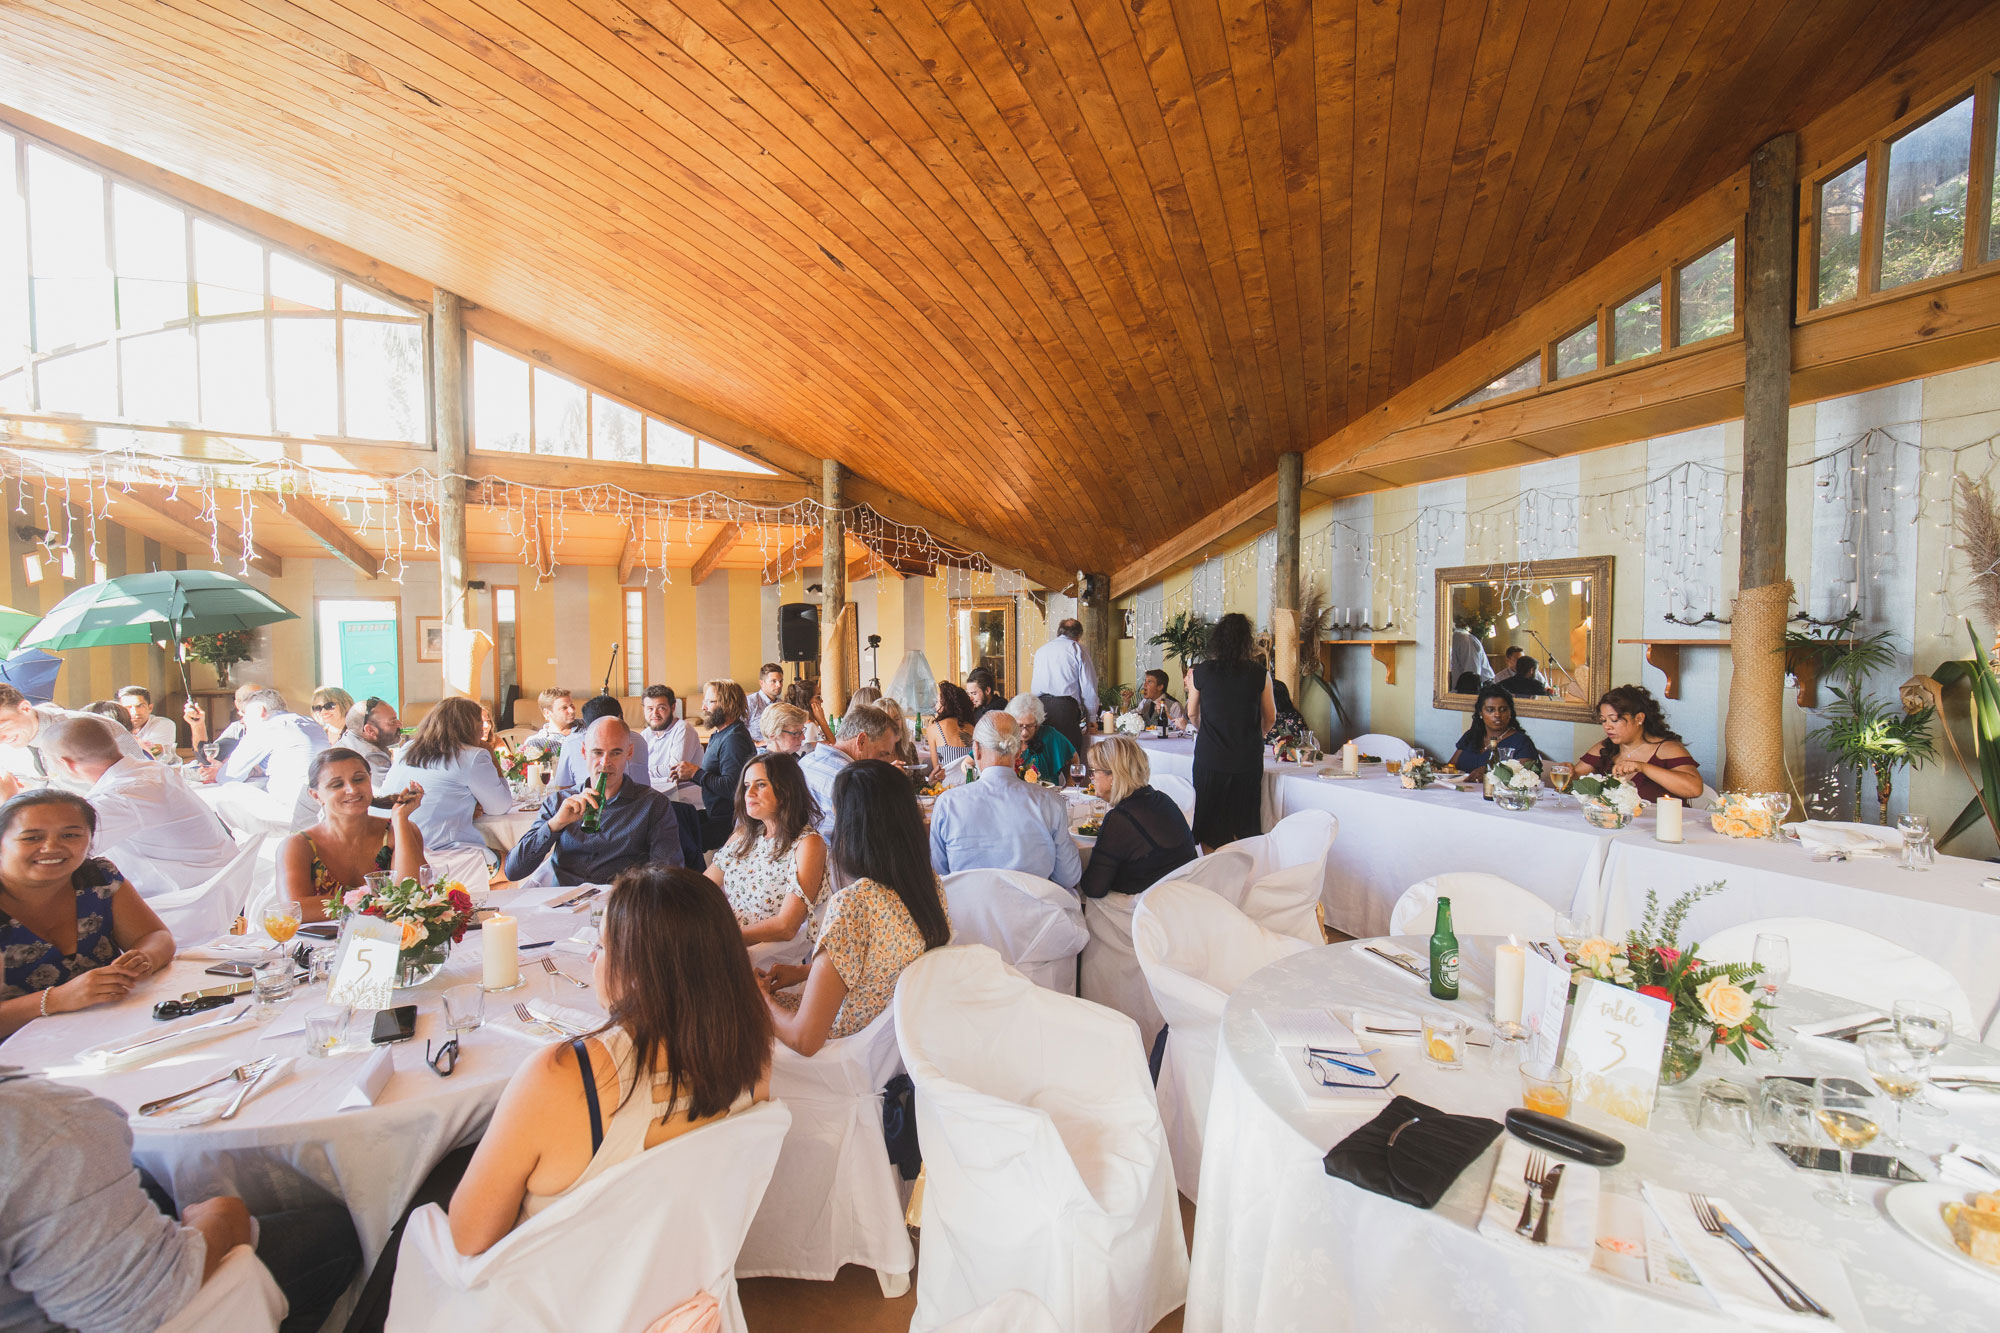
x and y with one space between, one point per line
1925 1029
1845 1120
1898 1071
280 920
1571 931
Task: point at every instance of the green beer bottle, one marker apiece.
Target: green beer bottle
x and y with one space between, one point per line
1444 955
592 823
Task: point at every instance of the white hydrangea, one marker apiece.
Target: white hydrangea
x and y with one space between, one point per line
1624 797
1131 724
1525 779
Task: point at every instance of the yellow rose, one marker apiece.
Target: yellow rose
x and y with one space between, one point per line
411 934
1726 1005
1595 952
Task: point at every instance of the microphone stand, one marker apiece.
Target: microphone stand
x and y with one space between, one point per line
609 668
1549 656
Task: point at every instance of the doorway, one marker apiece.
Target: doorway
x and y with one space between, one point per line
360 647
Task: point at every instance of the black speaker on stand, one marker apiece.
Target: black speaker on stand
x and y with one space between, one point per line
798 632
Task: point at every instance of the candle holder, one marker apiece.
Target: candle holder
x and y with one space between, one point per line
520 980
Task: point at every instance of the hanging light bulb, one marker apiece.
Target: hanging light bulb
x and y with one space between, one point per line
1513 622
1548 596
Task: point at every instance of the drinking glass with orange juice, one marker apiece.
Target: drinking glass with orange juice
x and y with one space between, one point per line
280 920
1546 1088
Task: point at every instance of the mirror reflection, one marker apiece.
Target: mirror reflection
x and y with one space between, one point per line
1539 631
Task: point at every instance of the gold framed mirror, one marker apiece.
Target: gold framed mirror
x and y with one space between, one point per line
1555 613
983 633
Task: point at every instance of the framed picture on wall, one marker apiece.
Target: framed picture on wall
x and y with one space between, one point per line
430 638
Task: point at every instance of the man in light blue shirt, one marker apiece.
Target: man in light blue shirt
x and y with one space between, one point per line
277 746
866 732
1000 822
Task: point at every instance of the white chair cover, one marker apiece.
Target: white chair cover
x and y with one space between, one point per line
467 865
1851 963
835 1198
1195 949
614 1255
199 914
1384 747
1481 904
1108 973
1287 902
240 1296
1016 1311
1226 873
1306 837
1179 789
1033 923
1046 1165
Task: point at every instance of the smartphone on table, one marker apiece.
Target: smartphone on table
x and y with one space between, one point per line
394 1025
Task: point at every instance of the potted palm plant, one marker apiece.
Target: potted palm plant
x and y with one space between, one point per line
1184 636
1869 736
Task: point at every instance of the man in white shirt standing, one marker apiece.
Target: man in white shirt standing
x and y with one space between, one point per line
770 684
150 824
158 736
669 741
277 747
1066 682
23 732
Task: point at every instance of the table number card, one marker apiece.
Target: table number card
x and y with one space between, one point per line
1613 1053
364 968
1544 1002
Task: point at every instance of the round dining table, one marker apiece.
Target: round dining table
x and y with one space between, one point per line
1280 1244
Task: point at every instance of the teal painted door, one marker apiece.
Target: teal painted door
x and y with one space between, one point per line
368 660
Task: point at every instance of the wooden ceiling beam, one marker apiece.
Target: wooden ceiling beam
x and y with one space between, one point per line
184 514
328 529
629 555
711 557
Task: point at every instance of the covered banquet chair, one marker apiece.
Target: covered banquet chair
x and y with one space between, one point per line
1034 923
1481 904
1226 872
240 1295
1384 747
1849 962
199 914
1046 1163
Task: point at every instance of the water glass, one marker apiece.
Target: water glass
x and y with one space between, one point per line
1779 803
320 969
1773 954
273 981
1785 1112
1926 1029
1723 1116
1444 1041
1919 850
1545 1087
465 1007
325 1026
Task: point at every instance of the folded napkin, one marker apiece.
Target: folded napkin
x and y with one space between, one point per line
563 1016
1572 1238
227 949
369 1081
1399 1027
209 1107
1728 1276
1969 1168
1820 836
1841 1024
1294 1030
1374 949
290 1022
1411 1152
134 1049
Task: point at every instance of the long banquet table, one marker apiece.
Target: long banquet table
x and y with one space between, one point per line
1281 1245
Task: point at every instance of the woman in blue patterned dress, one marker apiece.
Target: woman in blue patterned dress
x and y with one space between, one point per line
73 933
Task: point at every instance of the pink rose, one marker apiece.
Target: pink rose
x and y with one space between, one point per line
355 899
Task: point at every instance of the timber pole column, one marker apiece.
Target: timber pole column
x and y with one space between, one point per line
834 616
1285 578
448 423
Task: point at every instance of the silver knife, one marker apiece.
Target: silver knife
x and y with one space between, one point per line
236 1104
177 1032
1397 962
1549 1183
1854 1033
1742 1242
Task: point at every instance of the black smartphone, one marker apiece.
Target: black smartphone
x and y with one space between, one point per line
235 970
1828 1159
321 930
394 1025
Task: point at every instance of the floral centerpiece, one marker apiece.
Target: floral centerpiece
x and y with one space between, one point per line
433 918
1516 783
1713 1004
534 750
1739 814
1131 724
1418 772
1607 802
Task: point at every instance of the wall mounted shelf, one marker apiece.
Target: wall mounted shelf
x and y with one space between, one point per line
1382 650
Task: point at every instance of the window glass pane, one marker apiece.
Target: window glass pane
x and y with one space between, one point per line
718 459
635 642
1635 326
14 340
667 446
233 395
364 302
15 389
503 605
1527 375
499 397
296 286
562 410
1992 214
159 376
384 372
1840 234
302 380
83 382
230 270
1923 227
1577 354
614 430
72 279
149 240
1707 294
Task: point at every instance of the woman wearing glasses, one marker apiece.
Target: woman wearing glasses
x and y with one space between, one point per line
784 729
1143 836
329 708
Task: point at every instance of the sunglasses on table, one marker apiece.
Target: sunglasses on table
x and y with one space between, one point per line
445 1061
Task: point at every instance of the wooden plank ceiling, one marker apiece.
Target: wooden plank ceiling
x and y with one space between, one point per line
1071 274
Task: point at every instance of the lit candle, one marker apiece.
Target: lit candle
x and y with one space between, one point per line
500 956
1350 758
1108 721
1667 814
1510 966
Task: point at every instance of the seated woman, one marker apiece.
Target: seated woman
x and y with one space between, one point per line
329 708
1144 835
1495 733
804 695
454 774
950 731
773 868
889 915
73 933
1639 746
1043 748
349 843
906 748
784 729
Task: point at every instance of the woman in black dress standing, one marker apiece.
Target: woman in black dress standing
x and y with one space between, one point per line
1233 707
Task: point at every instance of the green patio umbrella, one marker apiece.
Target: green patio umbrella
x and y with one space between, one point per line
163 607
13 624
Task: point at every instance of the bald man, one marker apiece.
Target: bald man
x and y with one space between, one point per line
637 825
150 824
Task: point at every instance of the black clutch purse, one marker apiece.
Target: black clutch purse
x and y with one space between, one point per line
1411 1152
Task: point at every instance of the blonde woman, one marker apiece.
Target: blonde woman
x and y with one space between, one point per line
1143 836
329 708
906 749
784 728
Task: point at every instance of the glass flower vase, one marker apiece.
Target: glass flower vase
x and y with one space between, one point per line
1681 1056
416 966
1598 814
1513 798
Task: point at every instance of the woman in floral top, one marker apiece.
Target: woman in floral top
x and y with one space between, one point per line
773 868
890 915
73 933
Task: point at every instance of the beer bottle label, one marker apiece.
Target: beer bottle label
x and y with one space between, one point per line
1447 968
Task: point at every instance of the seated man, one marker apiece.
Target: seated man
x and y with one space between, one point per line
276 750
637 825
1155 702
1000 822
23 740
82 1245
373 731
570 766
670 740
158 736
558 716
150 824
866 732
1526 682
230 736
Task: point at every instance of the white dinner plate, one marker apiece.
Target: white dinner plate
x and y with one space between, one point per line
1917 1209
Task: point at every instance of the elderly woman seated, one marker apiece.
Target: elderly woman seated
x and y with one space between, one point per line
1043 748
784 728
73 933
1144 835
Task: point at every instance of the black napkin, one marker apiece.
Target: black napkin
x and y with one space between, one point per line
1411 1152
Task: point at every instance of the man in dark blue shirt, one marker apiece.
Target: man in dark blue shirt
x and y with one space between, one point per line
637 824
721 767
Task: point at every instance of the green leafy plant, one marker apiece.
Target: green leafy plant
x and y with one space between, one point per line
1983 707
223 650
1115 697
1869 736
1184 636
1836 651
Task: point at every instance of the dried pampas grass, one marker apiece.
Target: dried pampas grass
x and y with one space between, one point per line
1978 527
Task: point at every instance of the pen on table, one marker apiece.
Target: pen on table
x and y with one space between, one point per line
538 944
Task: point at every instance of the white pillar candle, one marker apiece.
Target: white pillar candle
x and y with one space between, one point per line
1510 966
1350 758
500 955
1667 814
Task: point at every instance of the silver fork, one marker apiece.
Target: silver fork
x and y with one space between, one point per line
1711 1222
1532 1174
241 1074
521 1012
549 966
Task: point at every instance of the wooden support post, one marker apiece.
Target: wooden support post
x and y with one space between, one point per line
448 394
1093 604
1285 577
834 682
1753 735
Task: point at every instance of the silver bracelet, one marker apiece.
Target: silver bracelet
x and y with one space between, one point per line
45 1000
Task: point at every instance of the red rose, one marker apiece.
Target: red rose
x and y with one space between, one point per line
1723 1037
460 900
458 936
371 910
1668 956
1657 992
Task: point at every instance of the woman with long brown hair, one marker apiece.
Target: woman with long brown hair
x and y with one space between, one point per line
349 841
457 774
1639 746
773 868
950 731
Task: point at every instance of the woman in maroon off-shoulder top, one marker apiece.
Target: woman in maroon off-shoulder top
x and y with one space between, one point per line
1639 746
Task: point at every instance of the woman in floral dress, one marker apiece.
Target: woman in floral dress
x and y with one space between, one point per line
773 868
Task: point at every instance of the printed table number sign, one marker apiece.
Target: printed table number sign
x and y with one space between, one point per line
1613 1052
364 968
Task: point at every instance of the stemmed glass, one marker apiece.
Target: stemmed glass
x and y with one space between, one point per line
1925 1029
280 920
1898 1071
1571 932
1845 1120
1773 954
1779 803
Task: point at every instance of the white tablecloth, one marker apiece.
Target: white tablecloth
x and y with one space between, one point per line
1944 914
1281 1245
504 830
1177 758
